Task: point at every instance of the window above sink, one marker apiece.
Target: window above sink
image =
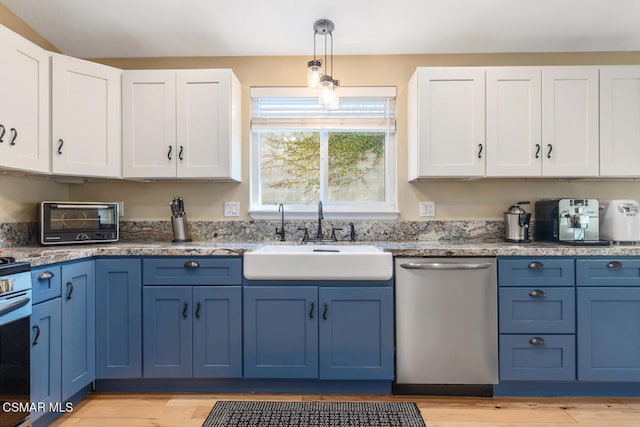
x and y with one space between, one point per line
301 153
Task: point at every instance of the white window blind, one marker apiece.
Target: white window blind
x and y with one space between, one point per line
356 113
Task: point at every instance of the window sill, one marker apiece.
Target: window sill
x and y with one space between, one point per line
294 214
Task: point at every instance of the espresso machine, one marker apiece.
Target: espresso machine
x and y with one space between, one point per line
568 221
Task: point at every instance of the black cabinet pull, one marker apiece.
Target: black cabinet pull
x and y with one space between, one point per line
184 310
550 147
197 310
180 152
536 265
615 264
69 290
536 293
3 130
311 311
191 264
169 153
45 275
325 310
538 148
14 136
536 341
480 147
37 329
60 144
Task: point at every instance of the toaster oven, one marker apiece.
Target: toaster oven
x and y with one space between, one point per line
78 222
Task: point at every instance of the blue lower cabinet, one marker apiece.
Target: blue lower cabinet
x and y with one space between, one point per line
609 334
167 333
192 331
537 358
118 318
217 332
356 333
46 354
281 331
319 332
78 327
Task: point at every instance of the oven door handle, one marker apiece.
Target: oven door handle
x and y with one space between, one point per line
12 306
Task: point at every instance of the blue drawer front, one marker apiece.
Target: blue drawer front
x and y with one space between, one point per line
537 310
46 283
608 271
554 360
192 271
542 271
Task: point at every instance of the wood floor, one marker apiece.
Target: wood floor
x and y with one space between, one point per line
190 410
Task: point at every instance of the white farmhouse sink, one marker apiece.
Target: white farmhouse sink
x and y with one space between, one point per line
318 262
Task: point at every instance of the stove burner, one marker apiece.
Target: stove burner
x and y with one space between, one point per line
7 260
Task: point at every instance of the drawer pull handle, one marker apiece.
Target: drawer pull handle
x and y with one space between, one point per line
311 311
197 310
536 341
324 312
45 275
536 265
615 264
184 310
191 264
537 293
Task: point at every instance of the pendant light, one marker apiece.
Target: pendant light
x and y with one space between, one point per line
320 79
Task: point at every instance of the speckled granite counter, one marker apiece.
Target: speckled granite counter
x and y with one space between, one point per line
38 255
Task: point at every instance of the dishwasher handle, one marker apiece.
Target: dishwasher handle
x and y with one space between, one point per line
447 266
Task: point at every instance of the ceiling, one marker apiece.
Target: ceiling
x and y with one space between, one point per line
160 28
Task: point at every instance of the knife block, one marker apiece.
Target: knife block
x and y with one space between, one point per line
180 231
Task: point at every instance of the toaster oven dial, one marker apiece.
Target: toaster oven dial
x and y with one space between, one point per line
82 236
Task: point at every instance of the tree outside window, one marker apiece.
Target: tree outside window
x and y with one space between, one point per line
294 171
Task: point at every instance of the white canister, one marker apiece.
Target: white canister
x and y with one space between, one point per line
620 220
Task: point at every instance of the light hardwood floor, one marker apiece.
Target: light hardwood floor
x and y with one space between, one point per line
190 410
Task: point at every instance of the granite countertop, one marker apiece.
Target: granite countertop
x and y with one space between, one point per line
40 255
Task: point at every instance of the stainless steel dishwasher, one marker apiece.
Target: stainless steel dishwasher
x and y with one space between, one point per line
446 326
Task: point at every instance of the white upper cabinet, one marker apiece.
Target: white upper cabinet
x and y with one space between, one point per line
149 123
620 121
24 104
570 122
447 122
514 121
181 124
86 118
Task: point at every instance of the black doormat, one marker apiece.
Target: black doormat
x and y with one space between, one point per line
307 414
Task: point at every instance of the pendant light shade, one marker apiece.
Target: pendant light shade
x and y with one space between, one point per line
319 78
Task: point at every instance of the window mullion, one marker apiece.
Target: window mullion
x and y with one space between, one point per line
324 165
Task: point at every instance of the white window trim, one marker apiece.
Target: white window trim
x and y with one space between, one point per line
387 210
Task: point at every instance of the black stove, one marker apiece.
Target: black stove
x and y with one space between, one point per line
15 343
8 265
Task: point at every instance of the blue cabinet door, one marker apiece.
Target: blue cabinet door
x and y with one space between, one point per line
78 327
281 332
217 332
118 318
356 333
46 353
167 330
608 334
